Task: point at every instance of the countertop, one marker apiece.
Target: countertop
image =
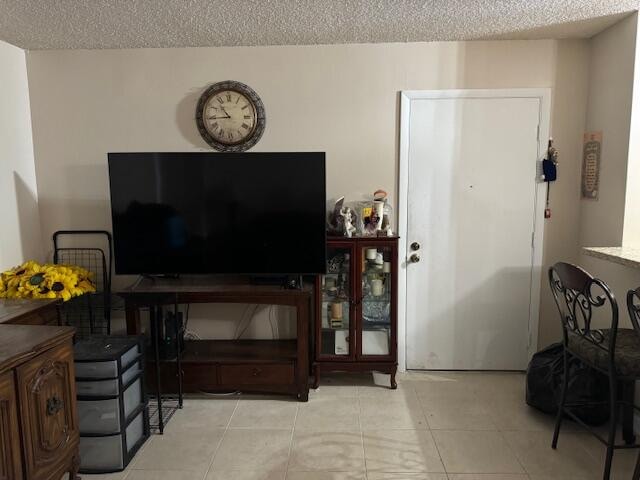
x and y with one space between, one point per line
627 256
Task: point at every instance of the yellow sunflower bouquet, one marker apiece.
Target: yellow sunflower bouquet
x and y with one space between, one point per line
34 280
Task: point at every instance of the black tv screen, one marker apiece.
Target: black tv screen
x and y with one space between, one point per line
218 213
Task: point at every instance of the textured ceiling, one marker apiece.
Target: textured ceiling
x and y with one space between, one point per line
71 24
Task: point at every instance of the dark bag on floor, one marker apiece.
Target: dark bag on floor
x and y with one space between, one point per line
544 385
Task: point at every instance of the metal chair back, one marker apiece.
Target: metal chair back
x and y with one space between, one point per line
579 296
633 305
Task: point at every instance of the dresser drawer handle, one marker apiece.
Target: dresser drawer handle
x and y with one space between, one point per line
256 372
54 405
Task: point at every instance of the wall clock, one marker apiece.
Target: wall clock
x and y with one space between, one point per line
230 116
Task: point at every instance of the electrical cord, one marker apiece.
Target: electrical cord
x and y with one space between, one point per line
273 321
186 316
187 334
248 323
242 321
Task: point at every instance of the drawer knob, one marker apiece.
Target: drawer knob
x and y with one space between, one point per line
256 372
54 405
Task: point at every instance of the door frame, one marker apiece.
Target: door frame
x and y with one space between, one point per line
406 97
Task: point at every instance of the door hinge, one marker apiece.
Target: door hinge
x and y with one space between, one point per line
538 132
533 236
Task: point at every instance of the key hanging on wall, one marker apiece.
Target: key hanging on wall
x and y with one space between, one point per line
550 173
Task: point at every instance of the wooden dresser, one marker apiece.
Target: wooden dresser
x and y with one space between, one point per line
38 421
29 312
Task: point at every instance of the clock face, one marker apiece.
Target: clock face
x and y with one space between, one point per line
230 116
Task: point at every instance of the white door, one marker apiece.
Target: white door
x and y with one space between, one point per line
472 209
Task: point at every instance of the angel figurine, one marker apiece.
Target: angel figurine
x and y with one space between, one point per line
348 220
335 223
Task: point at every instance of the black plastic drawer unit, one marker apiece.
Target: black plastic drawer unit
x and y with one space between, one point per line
112 404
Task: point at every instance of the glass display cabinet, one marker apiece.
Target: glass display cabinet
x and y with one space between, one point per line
356 305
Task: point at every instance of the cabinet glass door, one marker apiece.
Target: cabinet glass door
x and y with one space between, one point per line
376 302
335 308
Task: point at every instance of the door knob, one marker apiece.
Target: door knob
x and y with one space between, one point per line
415 258
415 246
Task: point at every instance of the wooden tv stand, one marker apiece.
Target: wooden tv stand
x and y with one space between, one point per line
266 366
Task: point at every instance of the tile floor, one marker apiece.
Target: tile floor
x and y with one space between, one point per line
435 426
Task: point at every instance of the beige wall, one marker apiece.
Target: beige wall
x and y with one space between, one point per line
609 110
568 122
342 99
20 237
631 234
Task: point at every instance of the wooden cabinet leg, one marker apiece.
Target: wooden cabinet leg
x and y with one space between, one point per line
394 385
75 468
316 376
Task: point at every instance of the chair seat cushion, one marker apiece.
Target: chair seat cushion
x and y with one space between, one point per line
627 355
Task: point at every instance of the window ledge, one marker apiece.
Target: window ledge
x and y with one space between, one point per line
627 256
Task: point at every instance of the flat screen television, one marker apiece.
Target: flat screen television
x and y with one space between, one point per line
218 213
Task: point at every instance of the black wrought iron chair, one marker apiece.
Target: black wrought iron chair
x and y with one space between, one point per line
612 351
633 305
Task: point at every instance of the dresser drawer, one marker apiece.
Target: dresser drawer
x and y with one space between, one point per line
107 369
103 416
111 453
257 374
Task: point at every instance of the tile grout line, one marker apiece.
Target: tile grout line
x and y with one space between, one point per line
138 454
513 452
293 429
433 438
423 411
364 455
132 466
505 434
206 473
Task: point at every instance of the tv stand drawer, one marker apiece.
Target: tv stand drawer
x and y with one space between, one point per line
257 374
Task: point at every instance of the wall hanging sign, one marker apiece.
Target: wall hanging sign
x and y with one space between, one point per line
591 152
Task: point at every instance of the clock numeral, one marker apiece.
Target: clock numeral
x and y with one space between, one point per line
228 97
239 133
247 105
230 135
245 126
214 125
219 99
238 99
247 117
221 132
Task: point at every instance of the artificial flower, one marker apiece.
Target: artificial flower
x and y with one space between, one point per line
32 280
